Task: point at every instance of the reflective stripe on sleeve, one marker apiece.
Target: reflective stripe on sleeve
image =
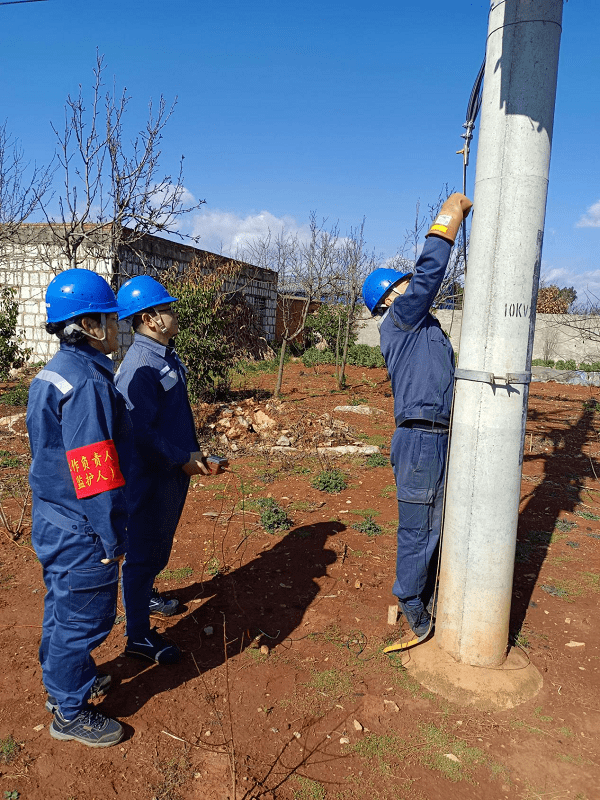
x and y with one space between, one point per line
62 384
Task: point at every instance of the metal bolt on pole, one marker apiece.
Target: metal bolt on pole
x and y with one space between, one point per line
490 406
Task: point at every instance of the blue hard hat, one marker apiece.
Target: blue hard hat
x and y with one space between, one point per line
140 293
78 291
378 284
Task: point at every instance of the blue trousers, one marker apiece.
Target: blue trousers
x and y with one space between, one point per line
419 459
155 505
79 607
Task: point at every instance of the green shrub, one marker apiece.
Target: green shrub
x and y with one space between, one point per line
272 516
377 460
202 341
594 366
13 354
591 405
312 357
363 355
359 355
368 526
15 396
542 362
331 481
330 322
569 365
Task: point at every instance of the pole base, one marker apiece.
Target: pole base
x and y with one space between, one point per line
489 689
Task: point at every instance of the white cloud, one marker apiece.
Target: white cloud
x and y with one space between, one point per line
591 219
227 233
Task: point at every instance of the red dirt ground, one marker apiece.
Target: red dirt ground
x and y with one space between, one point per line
290 696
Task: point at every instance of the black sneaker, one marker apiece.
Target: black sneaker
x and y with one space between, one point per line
417 617
158 604
89 727
153 647
100 687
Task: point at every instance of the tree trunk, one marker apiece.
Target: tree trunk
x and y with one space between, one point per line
342 373
279 380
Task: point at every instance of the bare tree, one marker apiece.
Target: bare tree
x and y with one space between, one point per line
114 192
354 263
306 273
451 291
21 186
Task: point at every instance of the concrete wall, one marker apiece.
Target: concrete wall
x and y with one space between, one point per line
554 339
28 265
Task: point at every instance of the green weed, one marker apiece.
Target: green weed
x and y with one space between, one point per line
331 481
368 526
566 732
9 749
439 743
377 460
564 525
331 682
272 517
591 580
388 491
8 459
382 748
521 640
307 789
176 772
377 439
300 505
175 574
558 589
538 713
15 396
587 515
213 566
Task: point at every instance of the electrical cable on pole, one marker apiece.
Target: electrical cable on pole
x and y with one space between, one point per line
473 107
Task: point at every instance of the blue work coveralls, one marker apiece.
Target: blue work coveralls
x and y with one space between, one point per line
420 361
152 380
80 437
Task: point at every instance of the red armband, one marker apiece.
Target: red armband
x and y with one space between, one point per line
95 468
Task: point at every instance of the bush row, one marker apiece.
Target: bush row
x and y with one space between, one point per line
584 366
359 355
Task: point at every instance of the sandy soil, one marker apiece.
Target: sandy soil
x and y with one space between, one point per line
283 690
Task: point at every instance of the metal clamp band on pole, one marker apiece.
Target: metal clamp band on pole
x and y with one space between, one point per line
489 377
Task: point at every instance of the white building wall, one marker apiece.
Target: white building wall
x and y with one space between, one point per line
29 268
555 338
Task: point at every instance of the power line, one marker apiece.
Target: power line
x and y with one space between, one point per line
18 2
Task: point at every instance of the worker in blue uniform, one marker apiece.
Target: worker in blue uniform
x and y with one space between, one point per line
80 437
420 362
152 379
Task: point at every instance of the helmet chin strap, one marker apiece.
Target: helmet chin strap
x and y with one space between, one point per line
159 321
73 326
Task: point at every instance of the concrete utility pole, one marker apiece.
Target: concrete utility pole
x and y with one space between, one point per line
492 387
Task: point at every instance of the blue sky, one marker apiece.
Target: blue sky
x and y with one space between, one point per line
348 109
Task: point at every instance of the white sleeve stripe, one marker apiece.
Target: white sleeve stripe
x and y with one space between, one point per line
55 379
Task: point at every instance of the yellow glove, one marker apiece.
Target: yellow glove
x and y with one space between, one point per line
448 221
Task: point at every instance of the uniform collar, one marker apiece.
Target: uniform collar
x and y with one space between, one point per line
381 318
152 344
101 360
